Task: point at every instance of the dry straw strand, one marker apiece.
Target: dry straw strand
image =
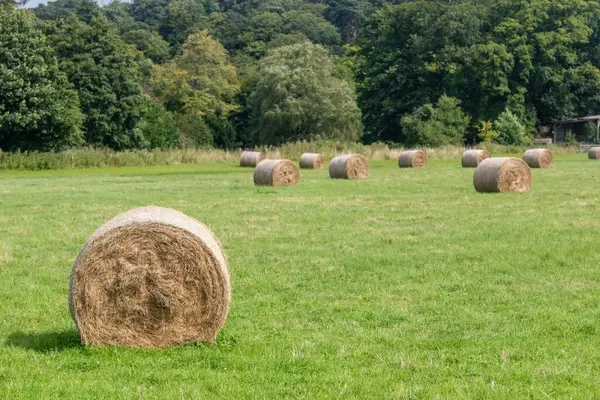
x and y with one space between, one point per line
349 166
472 158
538 158
412 159
251 159
311 160
150 277
594 153
276 173
502 174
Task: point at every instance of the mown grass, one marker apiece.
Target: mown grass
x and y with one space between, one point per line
406 285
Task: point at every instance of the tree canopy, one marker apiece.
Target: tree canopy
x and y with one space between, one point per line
229 73
39 110
298 97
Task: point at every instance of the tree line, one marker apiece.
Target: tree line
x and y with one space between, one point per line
231 73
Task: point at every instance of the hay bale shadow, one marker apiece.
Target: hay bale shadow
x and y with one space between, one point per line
45 342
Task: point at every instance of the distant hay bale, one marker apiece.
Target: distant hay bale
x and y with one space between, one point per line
472 158
311 160
251 158
538 158
412 159
594 153
502 174
276 173
150 277
349 166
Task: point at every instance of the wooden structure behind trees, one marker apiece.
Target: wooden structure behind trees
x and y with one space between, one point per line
578 127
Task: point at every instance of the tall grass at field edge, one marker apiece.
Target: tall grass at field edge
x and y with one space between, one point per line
99 158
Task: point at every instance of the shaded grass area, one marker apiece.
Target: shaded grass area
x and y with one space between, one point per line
406 285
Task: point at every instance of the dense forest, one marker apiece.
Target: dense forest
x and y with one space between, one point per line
233 73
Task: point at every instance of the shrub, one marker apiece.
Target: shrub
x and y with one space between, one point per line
510 130
445 124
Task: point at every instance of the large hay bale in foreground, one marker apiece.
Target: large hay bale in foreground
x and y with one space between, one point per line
472 158
251 158
150 277
349 166
276 173
594 153
412 159
311 160
502 174
538 158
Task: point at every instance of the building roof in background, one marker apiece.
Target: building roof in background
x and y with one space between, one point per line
580 119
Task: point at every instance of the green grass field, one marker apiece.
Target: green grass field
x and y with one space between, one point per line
406 285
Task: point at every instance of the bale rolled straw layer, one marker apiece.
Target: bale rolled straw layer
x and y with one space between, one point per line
538 158
472 158
150 277
412 159
251 158
311 160
276 173
594 153
349 166
502 174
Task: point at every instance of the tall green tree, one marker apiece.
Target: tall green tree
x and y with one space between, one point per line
539 58
201 86
83 9
298 97
106 75
38 108
201 81
348 16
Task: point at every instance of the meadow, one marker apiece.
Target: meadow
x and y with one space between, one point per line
406 285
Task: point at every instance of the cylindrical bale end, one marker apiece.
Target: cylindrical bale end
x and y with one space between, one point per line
276 173
502 174
538 158
349 166
150 277
594 153
311 160
412 159
250 159
472 158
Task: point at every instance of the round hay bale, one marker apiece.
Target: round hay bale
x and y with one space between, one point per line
276 173
311 160
502 174
412 159
594 153
538 158
472 158
251 158
150 277
349 166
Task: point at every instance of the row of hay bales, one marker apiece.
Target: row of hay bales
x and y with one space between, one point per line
285 173
506 174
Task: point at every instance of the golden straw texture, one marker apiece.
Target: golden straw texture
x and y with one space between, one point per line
150 277
276 173
349 166
502 174
251 159
472 158
412 159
